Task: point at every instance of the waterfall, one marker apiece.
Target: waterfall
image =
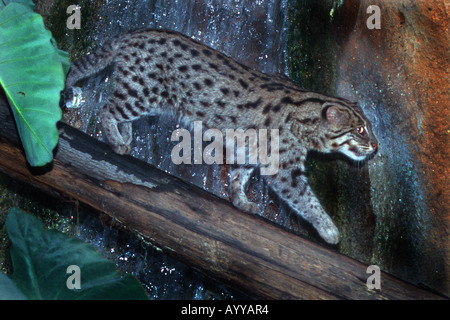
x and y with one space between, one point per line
252 32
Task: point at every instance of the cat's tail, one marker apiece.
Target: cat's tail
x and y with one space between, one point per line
87 66
93 62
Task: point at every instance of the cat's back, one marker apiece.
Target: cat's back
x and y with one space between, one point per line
199 80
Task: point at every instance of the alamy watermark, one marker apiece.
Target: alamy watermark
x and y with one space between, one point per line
241 147
74 20
74 280
373 281
257 145
373 22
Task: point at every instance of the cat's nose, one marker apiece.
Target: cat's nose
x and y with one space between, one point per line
374 146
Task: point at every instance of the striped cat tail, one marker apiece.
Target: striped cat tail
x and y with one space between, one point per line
87 66
93 62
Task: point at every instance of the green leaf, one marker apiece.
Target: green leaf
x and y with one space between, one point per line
27 3
32 77
40 260
9 290
64 59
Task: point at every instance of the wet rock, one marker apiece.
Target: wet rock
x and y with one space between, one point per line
393 60
400 74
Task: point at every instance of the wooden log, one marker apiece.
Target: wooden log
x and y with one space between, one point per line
194 226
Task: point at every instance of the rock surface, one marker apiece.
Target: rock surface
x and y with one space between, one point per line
400 73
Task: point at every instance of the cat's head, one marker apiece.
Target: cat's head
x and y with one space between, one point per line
334 125
346 130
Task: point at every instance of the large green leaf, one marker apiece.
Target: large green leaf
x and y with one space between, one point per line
27 3
32 77
9 290
40 260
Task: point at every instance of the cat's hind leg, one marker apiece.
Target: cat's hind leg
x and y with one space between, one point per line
120 140
239 181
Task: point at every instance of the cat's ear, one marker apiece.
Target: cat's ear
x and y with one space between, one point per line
333 114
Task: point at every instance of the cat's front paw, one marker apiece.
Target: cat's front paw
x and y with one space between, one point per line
73 97
122 149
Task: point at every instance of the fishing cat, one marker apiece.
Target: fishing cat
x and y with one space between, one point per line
158 71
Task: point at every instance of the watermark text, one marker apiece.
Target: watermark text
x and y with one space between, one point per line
241 147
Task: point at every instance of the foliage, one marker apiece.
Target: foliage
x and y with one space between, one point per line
41 259
32 73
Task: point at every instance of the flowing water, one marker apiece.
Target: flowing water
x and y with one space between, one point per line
253 32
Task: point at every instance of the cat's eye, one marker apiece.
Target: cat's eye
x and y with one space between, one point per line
361 130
